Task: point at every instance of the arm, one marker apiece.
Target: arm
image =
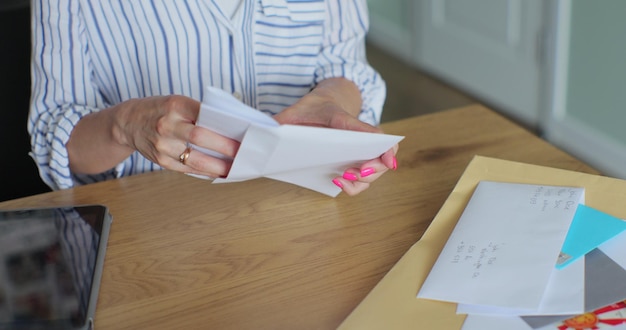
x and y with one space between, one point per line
79 137
62 91
343 55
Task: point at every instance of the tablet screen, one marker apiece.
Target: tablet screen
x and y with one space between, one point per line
50 266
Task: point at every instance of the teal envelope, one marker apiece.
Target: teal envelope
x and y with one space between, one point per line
588 230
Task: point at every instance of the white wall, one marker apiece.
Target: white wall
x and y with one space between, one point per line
392 27
588 109
581 50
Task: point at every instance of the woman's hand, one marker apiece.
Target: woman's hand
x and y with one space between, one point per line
356 180
336 103
159 127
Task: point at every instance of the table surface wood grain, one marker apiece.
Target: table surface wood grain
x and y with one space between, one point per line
262 254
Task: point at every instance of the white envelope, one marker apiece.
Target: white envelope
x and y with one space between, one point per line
564 295
504 247
302 155
605 284
615 247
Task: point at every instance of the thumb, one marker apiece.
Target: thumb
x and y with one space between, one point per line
347 122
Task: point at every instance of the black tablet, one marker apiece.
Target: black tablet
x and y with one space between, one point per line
50 266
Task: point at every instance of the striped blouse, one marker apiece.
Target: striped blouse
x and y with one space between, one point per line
91 54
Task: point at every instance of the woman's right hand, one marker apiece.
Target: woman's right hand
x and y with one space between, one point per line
159 127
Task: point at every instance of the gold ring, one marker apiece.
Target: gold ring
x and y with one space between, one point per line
183 157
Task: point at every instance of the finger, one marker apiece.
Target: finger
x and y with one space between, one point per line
177 116
199 163
389 158
368 172
186 108
179 156
331 116
181 122
344 121
211 140
350 187
351 174
372 170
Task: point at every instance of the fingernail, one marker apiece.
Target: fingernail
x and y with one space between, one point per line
367 171
350 176
395 163
337 183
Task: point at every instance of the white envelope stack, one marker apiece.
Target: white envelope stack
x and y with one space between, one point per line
499 263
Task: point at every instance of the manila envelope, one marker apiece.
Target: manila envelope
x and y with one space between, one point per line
392 304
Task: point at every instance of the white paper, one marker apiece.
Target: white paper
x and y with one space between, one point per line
302 155
504 247
564 295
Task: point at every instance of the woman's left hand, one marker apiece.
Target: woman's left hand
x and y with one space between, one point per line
356 180
336 103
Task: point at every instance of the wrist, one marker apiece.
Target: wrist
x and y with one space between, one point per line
341 92
121 119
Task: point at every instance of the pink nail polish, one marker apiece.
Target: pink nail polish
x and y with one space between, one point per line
337 183
395 163
367 171
350 176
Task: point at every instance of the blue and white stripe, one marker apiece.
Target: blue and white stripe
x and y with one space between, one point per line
92 54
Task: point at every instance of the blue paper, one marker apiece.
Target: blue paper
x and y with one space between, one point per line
588 230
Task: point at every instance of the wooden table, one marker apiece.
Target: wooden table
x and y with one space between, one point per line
186 254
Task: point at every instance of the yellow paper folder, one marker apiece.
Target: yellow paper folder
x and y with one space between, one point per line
392 304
